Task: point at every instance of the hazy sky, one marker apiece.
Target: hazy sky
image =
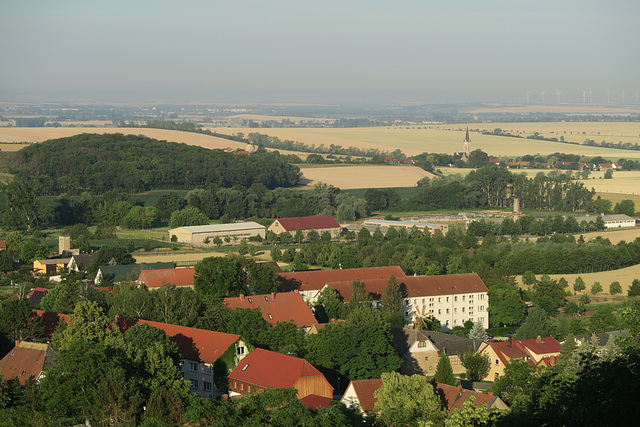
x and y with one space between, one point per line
349 51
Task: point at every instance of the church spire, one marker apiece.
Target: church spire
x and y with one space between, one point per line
467 146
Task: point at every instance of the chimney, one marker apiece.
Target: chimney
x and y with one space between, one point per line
241 297
273 296
509 342
539 339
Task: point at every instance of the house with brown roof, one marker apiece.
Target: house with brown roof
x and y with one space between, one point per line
154 279
203 353
359 396
305 224
81 262
310 283
26 362
537 351
263 369
280 307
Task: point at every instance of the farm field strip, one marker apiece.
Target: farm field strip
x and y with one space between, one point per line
348 177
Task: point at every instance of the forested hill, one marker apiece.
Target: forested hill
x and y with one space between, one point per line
99 163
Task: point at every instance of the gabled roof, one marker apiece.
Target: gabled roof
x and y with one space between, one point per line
194 344
454 397
131 272
52 261
545 345
308 222
273 370
523 348
35 295
374 287
174 276
315 280
448 284
51 320
364 389
282 307
313 401
26 361
83 261
450 344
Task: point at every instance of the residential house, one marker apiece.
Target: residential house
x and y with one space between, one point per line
310 283
280 307
197 235
50 266
51 321
27 361
154 279
535 351
35 295
359 396
203 352
420 350
263 369
305 224
81 262
128 272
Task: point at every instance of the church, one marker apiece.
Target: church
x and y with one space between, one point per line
464 155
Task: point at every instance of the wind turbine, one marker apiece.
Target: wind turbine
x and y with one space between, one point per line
590 93
558 96
542 92
584 96
527 97
608 97
622 94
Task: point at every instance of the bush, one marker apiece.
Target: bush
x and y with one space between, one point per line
615 288
634 289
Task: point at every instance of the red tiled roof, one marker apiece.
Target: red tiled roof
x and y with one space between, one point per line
523 348
195 344
374 287
454 397
364 390
50 321
174 276
545 346
3 244
26 361
313 401
308 222
272 370
315 280
447 284
282 307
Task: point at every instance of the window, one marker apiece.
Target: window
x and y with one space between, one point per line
240 351
480 319
422 344
447 299
206 386
206 369
497 361
426 358
455 299
266 298
463 309
270 317
439 311
439 299
497 375
423 300
447 311
194 384
249 299
430 368
193 367
481 308
462 297
430 299
455 310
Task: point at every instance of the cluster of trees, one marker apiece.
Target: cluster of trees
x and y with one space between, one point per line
587 386
100 163
494 186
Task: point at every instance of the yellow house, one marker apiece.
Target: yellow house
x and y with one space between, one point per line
535 351
50 266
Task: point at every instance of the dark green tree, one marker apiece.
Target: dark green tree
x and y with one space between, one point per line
444 371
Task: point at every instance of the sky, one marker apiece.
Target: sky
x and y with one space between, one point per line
348 51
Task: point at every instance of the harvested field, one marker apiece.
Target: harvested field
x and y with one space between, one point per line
625 182
347 177
625 276
189 258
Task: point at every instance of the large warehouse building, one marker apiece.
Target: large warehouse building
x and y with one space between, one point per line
197 234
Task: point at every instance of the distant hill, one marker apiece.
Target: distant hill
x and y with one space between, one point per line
135 163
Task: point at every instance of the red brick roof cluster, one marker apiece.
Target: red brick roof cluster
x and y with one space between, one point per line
26 361
282 307
174 276
515 349
308 222
272 370
194 344
446 284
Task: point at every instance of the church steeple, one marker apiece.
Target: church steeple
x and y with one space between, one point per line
467 145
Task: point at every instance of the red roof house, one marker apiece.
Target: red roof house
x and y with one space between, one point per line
26 361
319 223
51 321
282 307
200 349
359 395
538 351
264 369
154 279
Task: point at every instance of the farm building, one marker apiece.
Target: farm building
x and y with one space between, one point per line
610 220
128 272
305 224
408 225
50 266
263 369
197 234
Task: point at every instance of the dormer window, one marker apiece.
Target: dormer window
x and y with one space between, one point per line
249 299
270 317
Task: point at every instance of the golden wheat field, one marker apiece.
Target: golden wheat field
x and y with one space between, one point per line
417 139
366 176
